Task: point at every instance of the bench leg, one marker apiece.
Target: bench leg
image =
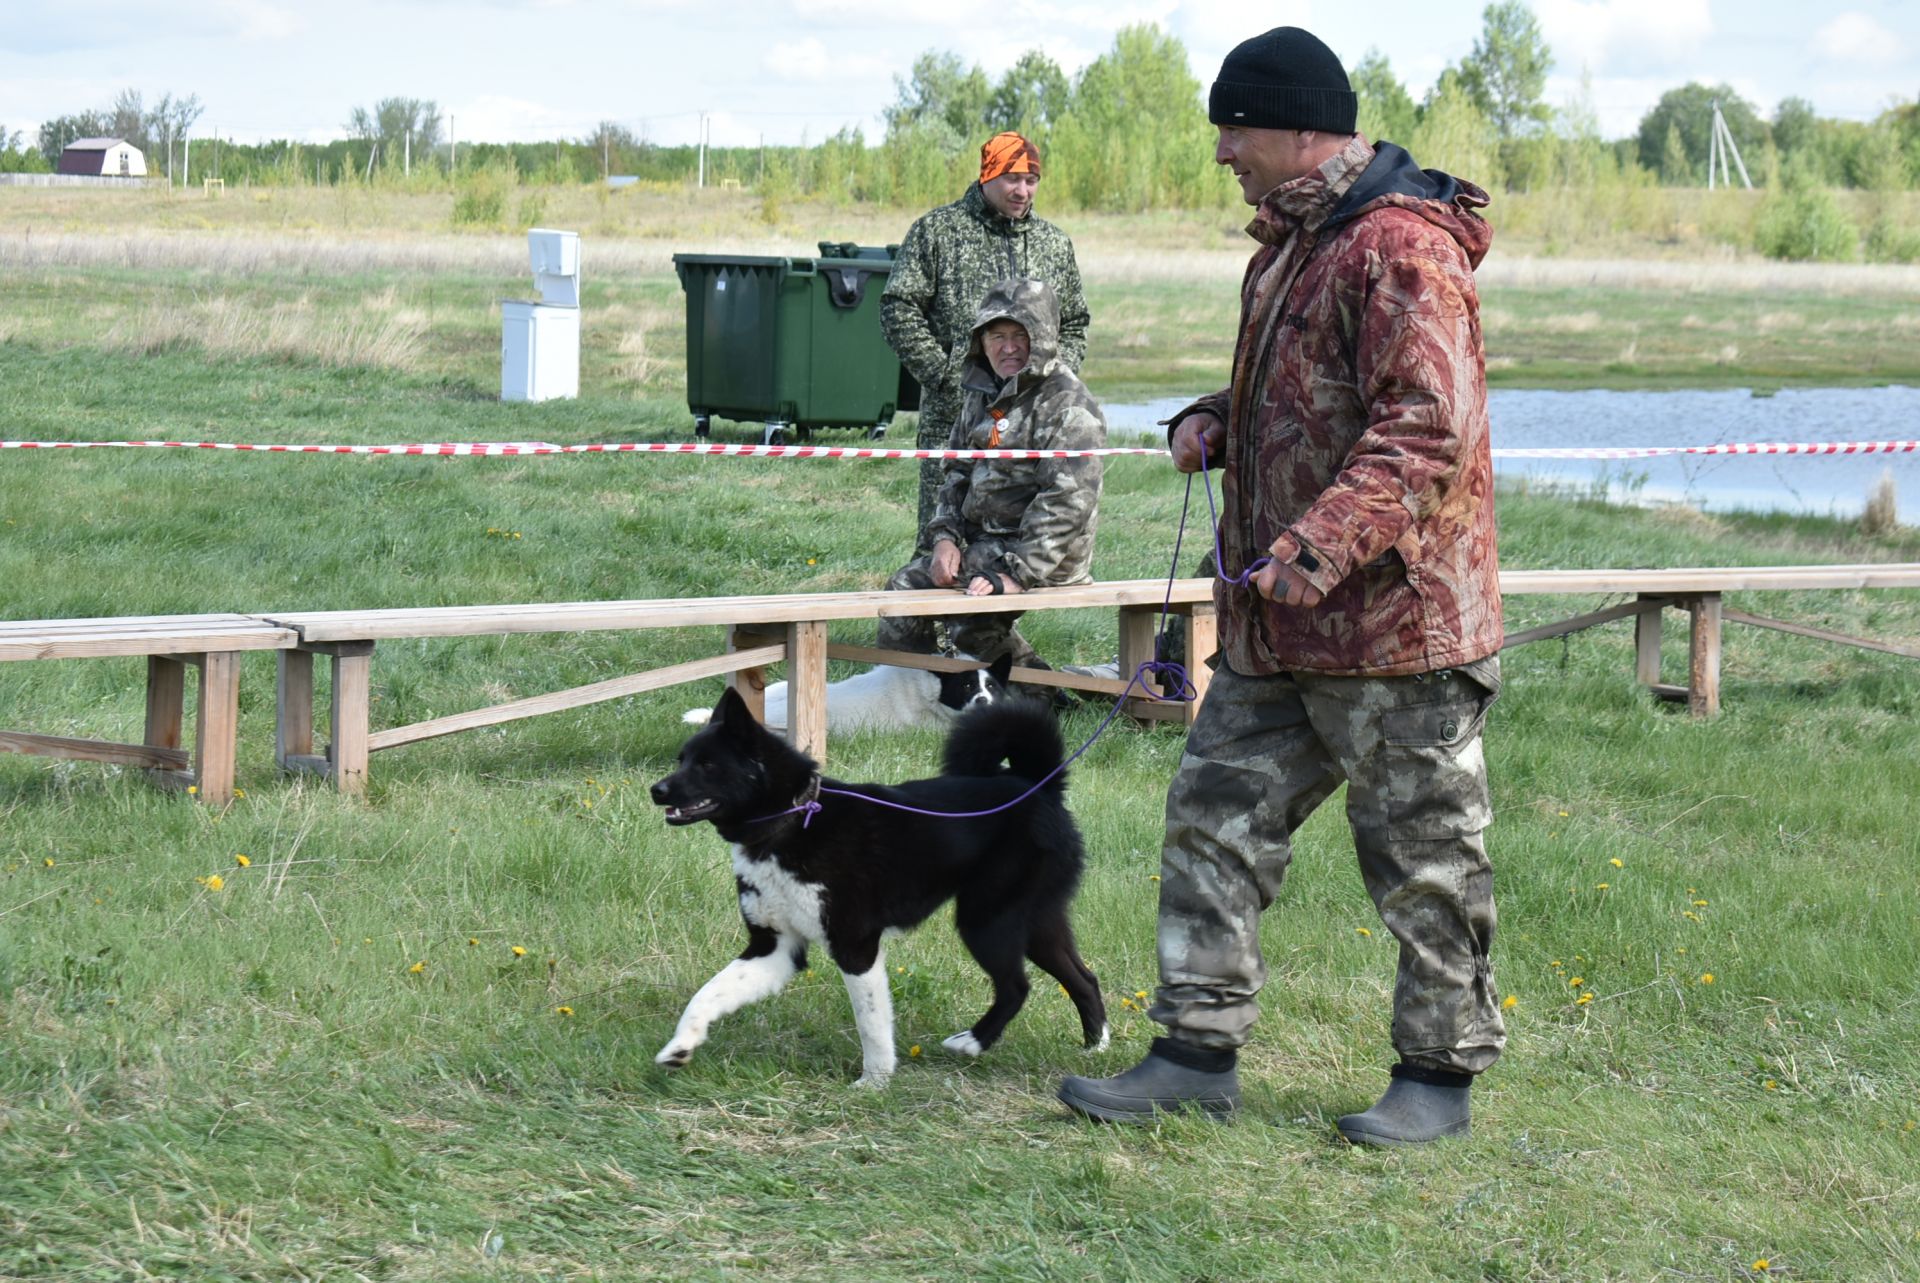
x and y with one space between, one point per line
1203 639
1646 644
1136 643
352 710
749 683
166 701
217 728
807 688
293 708
1703 656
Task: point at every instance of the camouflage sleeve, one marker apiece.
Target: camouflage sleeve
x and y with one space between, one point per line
904 304
1056 530
949 509
1074 317
1214 403
1414 359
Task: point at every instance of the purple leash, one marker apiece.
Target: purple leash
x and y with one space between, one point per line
1177 675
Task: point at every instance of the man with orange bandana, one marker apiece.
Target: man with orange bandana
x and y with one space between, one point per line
949 260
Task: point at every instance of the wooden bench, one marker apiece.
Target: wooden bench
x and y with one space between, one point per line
792 628
1698 591
171 644
764 630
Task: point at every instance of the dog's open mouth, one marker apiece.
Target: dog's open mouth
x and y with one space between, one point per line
692 812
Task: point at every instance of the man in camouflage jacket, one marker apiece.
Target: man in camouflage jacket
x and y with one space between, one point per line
948 260
1002 526
1352 453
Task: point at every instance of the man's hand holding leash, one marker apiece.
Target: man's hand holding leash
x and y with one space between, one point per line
1200 439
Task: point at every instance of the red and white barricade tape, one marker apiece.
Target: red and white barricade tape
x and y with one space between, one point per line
527 449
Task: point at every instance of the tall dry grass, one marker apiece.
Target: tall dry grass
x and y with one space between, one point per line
379 334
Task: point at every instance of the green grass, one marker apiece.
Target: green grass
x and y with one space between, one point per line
253 1083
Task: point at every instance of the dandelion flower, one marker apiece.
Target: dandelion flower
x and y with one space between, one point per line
1699 904
1576 982
1706 978
212 882
1140 995
1603 886
913 1050
1512 1001
1771 1085
812 561
1153 877
192 789
243 861
1617 862
48 862
239 792
473 940
1563 815
1691 915
1363 931
563 1011
1583 1000
418 967
1762 1265
1681 949
519 951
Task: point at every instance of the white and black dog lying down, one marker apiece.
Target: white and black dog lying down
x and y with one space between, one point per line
886 697
858 871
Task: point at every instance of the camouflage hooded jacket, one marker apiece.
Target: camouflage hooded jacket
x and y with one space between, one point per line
1357 425
1043 509
950 258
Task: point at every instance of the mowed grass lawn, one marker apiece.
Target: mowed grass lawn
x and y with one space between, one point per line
411 1036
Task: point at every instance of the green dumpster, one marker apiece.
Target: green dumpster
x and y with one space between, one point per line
792 343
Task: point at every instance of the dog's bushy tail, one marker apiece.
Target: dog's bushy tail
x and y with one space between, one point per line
1020 732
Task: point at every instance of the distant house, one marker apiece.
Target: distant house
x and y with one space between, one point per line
110 157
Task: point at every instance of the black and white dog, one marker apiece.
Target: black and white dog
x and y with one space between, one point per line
886 697
858 871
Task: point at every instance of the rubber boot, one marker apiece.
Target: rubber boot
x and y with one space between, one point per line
1174 1076
1420 1105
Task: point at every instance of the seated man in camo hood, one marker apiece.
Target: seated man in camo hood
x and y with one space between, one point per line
1007 525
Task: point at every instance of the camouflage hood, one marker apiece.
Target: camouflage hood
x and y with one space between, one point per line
1031 305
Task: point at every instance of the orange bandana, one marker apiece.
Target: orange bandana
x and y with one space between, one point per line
993 437
1008 153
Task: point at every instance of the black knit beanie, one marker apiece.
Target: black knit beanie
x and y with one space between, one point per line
1284 79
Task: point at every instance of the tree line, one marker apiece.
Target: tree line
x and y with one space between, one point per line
1126 133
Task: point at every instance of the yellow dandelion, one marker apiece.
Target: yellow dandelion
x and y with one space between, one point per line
473 940
1706 978
1603 886
1583 1000
243 861
1576 982
1691 915
1699 904
899 971
1153 877
1771 1085
1762 1265
1563 815
812 561
1140 995
519 952
212 882
1617 862
563 1011
1681 949
418 967
48 862
1512 1000
913 1050
1557 962
239 792
1363 931
192 789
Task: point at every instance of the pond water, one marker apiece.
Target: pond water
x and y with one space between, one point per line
1826 485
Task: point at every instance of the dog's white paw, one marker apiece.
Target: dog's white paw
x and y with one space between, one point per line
964 1044
674 1055
1106 1036
871 1081
697 716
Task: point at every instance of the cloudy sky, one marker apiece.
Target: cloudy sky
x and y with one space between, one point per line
783 70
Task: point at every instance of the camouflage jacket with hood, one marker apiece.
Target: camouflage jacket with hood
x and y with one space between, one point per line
1356 421
950 258
1043 510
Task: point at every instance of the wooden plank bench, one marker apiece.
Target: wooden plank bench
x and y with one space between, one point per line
792 628
1698 591
761 630
212 644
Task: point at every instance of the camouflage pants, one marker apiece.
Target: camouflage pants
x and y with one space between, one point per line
1263 754
985 637
935 433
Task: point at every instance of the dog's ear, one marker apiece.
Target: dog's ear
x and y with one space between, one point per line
733 716
1001 669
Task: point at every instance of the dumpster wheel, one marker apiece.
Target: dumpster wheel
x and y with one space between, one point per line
702 426
877 432
774 434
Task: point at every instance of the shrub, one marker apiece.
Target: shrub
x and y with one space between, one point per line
1806 223
482 198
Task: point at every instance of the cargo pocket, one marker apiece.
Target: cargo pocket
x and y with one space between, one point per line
1436 778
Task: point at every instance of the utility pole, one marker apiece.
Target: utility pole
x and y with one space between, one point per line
453 147
702 180
186 161
1719 147
406 155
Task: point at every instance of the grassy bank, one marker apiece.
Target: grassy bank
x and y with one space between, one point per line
336 1062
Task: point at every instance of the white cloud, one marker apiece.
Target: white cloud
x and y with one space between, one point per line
1855 37
254 20
809 61
1623 36
492 118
